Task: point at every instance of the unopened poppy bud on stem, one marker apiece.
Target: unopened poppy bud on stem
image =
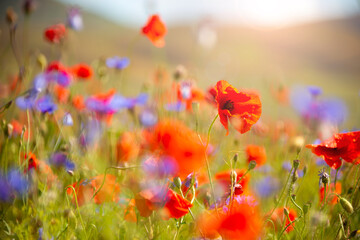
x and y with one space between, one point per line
177 182
286 212
306 207
346 205
41 60
233 176
11 16
235 159
295 177
252 165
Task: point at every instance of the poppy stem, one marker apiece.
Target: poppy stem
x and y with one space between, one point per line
118 168
207 161
356 185
282 193
77 207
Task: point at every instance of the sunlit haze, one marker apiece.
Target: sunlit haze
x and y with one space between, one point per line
259 13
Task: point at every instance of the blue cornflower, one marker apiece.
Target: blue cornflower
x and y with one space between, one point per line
74 19
17 182
148 118
28 100
46 105
117 62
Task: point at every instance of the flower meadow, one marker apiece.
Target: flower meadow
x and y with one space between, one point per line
174 161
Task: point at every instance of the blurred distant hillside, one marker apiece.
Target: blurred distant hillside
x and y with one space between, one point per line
326 53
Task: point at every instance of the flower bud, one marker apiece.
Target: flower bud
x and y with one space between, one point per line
10 129
252 165
41 60
295 177
177 182
29 6
235 158
286 212
180 72
233 177
346 205
306 207
305 170
11 16
296 164
325 179
293 197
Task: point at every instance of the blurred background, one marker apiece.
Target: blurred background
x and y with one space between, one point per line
268 45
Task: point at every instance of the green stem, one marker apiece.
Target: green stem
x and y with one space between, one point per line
282 193
207 161
118 168
78 209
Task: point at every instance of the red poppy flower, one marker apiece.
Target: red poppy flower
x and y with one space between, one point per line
127 147
155 30
82 71
331 198
344 146
86 189
174 139
129 212
55 33
256 153
149 200
32 161
244 108
78 102
109 192
187 94
243 222
176 206
61 93
224 178
84 192
278 217
56 66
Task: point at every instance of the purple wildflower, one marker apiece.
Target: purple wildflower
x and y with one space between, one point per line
74 19
46 104
148 118
18 182
117 62
67 120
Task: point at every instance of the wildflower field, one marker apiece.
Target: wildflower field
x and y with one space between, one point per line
115 133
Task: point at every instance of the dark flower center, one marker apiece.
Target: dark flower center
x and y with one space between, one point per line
229 105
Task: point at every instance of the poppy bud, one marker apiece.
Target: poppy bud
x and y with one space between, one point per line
10 129
177 182
286 212
252 165
41 60
180 72
11 16
305 170
235 159
233 177
23 131
29 6
346 205
293 197
306 207
295 177
296 164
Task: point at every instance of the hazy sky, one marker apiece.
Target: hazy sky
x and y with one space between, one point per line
262 13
